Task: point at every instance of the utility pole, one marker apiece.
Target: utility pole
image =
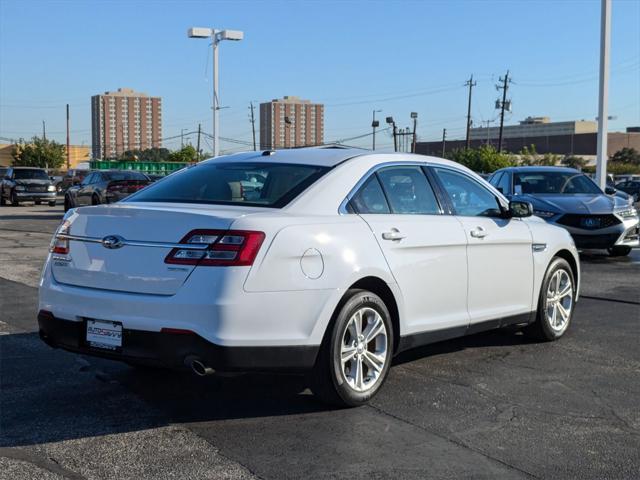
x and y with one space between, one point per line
68 141
444 141
198 144
470 83
603 94
503 104
44 131
374 124
182 138
253 126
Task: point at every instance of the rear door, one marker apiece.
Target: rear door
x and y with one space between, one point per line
425 249
499 253
83 195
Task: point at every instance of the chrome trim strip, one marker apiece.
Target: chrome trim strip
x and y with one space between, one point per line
135 243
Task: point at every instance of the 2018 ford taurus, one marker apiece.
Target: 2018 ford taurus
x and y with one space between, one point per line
337 260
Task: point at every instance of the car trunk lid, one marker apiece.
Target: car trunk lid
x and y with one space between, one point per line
123 247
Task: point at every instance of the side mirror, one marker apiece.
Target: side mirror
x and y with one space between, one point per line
610 190
519 209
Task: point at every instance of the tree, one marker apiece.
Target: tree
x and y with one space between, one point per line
185 154
626 155
39 152
573 161
484 159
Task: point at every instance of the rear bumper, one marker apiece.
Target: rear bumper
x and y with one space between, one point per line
171 349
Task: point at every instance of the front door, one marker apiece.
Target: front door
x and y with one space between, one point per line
499 251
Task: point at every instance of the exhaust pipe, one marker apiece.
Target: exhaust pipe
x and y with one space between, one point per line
198 367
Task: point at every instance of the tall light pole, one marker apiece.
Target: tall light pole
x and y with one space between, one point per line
374 124
216 37
391 122
603 93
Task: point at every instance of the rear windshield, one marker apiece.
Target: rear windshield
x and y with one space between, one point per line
252 184
554 182
116 176
30 174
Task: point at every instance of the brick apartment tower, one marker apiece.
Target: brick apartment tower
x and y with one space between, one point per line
291 122
125 120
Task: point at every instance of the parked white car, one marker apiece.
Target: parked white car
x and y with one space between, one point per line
345 258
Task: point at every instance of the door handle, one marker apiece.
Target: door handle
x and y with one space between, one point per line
479 232
393 234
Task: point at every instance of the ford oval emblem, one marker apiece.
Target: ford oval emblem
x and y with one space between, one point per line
112 241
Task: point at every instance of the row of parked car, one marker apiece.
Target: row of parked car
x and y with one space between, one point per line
80 187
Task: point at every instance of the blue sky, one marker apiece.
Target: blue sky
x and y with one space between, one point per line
353 56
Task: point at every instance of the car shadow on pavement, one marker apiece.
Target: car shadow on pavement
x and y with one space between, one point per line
51 395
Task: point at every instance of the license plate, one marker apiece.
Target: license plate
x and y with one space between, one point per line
104 334
590 222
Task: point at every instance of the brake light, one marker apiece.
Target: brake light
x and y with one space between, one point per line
226 248
61 245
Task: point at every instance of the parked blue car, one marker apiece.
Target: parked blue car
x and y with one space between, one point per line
570 199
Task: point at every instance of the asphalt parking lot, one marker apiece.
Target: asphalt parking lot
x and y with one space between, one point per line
487 406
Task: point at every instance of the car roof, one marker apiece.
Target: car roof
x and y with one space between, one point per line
27 168
329 156
541 168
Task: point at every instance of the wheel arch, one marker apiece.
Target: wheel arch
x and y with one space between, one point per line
571 260
378 286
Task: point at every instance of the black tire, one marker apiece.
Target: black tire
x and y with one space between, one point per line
14 199
328 379
619 251
37 202
95 200
3 202
52 204
67 203
542 329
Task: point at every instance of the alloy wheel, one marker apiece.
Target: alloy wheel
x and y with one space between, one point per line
559 300
363 352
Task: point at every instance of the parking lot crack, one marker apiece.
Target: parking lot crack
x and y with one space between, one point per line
454 441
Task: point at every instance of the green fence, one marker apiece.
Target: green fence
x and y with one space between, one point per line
152 168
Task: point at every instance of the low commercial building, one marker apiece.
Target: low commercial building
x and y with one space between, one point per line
78 153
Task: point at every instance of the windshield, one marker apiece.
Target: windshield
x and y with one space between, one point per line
30 174
252 184
553 183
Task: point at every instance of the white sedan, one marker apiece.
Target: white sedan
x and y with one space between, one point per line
334 262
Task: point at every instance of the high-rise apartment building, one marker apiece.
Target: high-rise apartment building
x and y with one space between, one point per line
125 120
291 122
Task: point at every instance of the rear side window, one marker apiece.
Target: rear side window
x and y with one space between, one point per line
408 191
495 178
234 183
370 198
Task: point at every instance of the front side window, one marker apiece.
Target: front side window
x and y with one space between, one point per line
495 178
234 183
370 198
469 198
408 191
505 183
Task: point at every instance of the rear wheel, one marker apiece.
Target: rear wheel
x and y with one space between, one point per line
67 203
52 204
356 353
3 202
619 251
555 303
95 200
37 202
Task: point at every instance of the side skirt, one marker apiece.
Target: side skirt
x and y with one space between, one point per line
408 342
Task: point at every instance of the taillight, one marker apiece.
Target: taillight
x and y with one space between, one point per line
61 245
226 248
